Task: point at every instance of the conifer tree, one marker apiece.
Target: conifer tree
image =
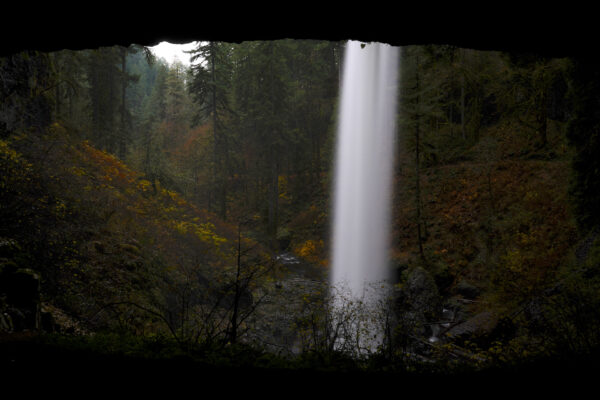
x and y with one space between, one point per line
210 86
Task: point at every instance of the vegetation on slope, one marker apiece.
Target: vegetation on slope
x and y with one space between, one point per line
149 198
114 250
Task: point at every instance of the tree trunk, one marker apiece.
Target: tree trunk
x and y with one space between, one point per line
462 97
70 104
218 173
273 186
451 111
273 198
418 178
214 121
122 141
237 295
57 96
542 119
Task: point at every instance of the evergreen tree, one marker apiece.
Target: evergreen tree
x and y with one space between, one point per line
210 88
25 83
261 98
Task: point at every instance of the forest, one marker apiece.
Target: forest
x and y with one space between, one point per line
163 211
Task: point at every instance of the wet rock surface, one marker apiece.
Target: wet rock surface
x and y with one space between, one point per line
479 325
418 299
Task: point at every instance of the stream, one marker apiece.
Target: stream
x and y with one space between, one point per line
440 327
274 320
275 317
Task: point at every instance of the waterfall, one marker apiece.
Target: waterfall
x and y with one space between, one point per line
364 165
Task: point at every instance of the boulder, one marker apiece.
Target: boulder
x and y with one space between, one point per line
420 293
584 247
48 324
284 239
480 325
467 290
6 324
417 301
99 247
17 318
9 248
135 250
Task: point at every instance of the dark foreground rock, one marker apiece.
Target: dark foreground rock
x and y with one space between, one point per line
20 293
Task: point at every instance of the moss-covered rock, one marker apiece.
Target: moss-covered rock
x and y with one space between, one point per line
417 299
478 326
130 248
467 290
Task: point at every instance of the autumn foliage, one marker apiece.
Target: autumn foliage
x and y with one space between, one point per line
112 237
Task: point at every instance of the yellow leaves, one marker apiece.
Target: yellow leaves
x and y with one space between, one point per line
57 129
514 260
174 196
282 184
14 169
60 208
77 171
204 232
144 185
182 226
170 209
497 351
7 153
526 239
531 195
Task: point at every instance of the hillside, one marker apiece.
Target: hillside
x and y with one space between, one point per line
182 211
113 250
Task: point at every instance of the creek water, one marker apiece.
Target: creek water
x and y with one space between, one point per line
437 328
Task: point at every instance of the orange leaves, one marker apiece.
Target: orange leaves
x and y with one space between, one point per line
198 136
110 168
507 215
130 206
312 251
